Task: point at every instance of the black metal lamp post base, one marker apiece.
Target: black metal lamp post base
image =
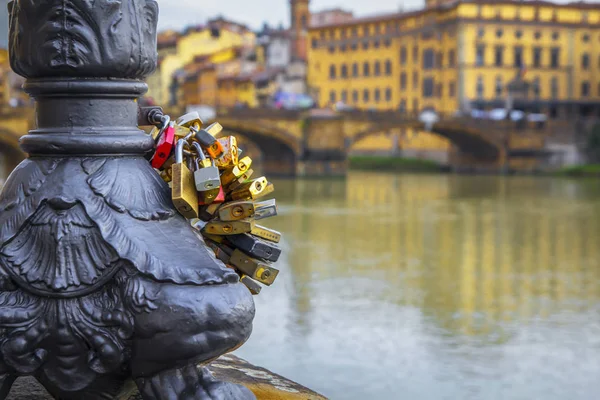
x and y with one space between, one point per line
101 280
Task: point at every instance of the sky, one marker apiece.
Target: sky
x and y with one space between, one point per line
177 14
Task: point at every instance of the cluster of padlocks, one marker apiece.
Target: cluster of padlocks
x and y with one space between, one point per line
211 186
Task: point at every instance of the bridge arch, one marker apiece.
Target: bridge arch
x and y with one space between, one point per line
281 150
468 141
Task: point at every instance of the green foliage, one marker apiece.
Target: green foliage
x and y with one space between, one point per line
393 164
591 170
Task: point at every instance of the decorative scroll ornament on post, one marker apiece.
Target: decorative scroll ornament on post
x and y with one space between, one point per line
101 280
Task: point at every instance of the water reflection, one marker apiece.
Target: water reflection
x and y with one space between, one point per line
433 287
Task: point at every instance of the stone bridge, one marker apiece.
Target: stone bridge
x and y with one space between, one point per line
318 142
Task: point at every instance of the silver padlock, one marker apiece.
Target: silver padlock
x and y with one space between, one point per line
206 177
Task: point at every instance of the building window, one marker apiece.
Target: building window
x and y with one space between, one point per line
343 48
355 69
555 57
355 96
519 34
344 71
403 81
322 34
332 72
480 55
585 38
499 56
344 96
366 95
403 56
452 89
480 88
415 54
555 35
537 35
303 22
480 33
314 43
536 87
428 58
332 49
376 43
440 59
518 56
585 61
585 89
354 32
428 87
537 57
387 42
415 104
451 58
388 94
377 68
415 80
365 45
554 87
439 90
402 106
354 46
499 87
332 96
377 95
388 67
366 69
499 33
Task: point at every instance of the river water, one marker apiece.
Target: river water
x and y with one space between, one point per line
435 287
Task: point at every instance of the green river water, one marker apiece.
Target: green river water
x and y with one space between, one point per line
435 287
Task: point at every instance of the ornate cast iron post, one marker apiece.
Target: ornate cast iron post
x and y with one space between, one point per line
101 280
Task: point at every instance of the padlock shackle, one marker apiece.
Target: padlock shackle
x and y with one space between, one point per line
199 150
179 151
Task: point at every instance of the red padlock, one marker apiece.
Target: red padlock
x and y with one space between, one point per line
164 147
218 200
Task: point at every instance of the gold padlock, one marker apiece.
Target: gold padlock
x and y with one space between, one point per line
266 233
190 119
206 213
229 228
184 194
240 181
255 269
236 211
235 172
252 190
230 152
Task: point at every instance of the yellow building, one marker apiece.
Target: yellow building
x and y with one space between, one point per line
456 55
227 93
218 36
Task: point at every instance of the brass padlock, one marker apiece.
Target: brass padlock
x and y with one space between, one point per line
229 228
266 233
235 172
190 119
206 213
230 152
252 286
255 269
252 190
236 211
184 194
240 181
265 209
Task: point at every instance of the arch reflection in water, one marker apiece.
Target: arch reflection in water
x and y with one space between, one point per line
464 287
